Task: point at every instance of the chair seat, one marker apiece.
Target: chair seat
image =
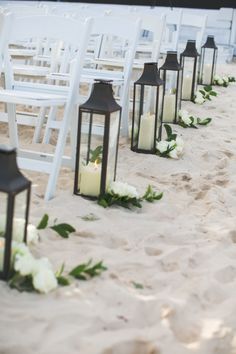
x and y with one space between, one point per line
22 53
31 70
32 98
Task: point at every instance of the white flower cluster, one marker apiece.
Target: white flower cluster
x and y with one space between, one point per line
173 148
123 189
221 80
187 119
43 277
18 230
199 98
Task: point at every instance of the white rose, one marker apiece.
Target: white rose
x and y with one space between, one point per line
186 120
18 230
220 82
171 143
226 79
173 154
162 146
217 77
44 280
183 113
199 98
20 248
32 234
123 189
180 146
25 264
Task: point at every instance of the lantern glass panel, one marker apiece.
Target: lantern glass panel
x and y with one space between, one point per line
207 65
172 88
148 103
90 163
19 216
3 222
189 76
113 146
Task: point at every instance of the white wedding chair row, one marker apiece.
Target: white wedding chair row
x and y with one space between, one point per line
113 59
75 33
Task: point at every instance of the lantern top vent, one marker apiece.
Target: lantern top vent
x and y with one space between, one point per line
101 99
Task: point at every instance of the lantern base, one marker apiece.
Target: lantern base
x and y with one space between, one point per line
142 151
88 197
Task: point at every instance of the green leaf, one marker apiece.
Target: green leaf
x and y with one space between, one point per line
213 93
21 283
61 270
204 121
43 222
150 195
63 281
137 285
96 154
202 92
109 199
64 230
231 78
207 88
90 217
168 130
85 271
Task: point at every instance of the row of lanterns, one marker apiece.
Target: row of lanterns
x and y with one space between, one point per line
157 98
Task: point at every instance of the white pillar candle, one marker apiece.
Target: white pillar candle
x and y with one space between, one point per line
187 87
90 179
146 132
206 79
169 108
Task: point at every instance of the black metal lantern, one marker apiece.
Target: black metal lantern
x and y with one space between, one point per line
14 206
97 141
208 62
147 109
189 60
171 72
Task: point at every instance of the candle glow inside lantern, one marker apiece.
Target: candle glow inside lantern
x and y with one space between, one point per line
208 62
14 205
97 142
171 73
147 110
189 60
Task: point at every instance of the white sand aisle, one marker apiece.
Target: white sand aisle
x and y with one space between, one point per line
181 249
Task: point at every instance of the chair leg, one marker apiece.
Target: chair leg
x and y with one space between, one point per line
39 125
73 134
12 124
51 117
56 164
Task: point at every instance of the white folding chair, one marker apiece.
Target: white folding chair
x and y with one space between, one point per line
117 52
192 27
172 30
75 33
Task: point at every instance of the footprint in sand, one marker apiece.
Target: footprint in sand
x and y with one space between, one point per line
185 327
232 235
226 274
229 154
215 295
222 163
203 191
135 346
152 251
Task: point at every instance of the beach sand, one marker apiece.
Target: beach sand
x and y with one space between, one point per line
181 250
